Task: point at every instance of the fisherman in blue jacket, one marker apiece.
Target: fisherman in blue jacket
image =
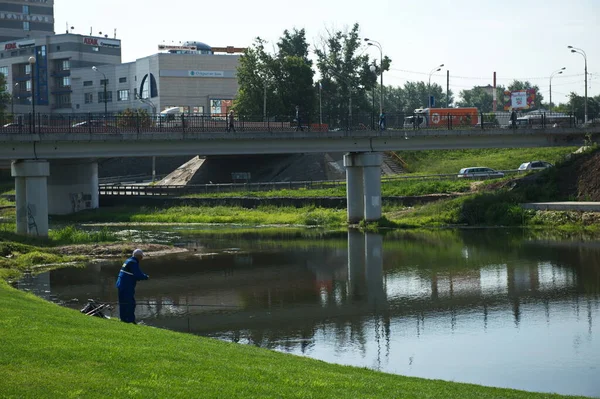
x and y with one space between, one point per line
128 277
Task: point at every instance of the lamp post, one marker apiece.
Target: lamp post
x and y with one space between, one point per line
149 102
378 45
32 64
557 72
373 68
434 70
12 99
105 97
580 51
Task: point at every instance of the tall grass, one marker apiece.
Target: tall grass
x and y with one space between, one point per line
72 235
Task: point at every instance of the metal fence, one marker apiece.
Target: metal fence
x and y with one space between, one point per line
197 123
179 190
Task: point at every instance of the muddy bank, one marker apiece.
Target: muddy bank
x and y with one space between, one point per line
117 249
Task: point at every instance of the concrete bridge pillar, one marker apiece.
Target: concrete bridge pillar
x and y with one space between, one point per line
363 186
374 268
31 196
72 186
356 264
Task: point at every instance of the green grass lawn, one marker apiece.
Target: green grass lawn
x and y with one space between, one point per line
53 352
451 161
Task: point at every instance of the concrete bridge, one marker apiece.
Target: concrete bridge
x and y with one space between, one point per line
56 169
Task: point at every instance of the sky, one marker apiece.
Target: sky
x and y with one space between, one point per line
524 40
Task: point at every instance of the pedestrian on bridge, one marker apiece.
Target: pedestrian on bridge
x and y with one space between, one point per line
230 120
513 119
382 120
129 275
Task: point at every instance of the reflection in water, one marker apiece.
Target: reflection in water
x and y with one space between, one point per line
482 307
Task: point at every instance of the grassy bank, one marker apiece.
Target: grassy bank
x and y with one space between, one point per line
51 352
450 161
396 187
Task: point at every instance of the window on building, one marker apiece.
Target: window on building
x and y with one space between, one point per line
66 81
63 100
27 69
88 83
28 85
25 25
14 53
123 95
88 98
57 48
95 49
122 80
26 10
65 65
199 109
103 81
4 71
108 96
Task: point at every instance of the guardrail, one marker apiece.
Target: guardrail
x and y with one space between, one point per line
179 190
129 178
199 123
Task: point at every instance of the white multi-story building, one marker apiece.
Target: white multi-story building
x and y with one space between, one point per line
71 73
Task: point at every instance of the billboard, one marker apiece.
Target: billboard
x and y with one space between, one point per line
519 99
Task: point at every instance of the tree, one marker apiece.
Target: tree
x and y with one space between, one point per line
482 98
283 79
346 74
4 96
576 105
133 117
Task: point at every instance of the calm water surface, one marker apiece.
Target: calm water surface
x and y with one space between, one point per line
495 308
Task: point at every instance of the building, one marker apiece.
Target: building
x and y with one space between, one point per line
55 56
26 19
192 77
83 74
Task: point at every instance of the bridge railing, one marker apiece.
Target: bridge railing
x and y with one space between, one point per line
199 123
182 190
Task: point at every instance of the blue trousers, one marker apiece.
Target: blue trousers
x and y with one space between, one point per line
127 306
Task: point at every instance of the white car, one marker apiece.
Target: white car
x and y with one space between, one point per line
534 165
479 172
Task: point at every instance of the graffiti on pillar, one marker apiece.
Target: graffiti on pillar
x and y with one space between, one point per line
31 224
80 201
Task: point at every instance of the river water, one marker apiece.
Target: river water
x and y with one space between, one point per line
492 307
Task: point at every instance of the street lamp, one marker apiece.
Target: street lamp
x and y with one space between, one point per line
105 97
373 68
580 51
434 70
32 64
378 45
557 72
12 100
149 102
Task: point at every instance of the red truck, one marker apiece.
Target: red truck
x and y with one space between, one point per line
441 117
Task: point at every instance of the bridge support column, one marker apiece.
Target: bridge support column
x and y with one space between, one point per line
73 186
31 196
356 265
363 186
